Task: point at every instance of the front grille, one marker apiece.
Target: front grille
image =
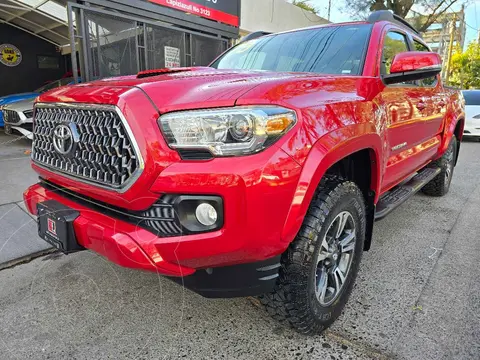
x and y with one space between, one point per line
28 114
103 153
11 116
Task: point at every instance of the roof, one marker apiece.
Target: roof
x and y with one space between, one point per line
46 19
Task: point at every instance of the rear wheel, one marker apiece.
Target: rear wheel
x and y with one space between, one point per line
440 185
320 266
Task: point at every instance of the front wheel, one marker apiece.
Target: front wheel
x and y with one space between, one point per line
320 266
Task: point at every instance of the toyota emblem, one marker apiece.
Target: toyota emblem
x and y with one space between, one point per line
65 138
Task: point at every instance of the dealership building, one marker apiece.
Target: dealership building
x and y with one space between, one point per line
43 40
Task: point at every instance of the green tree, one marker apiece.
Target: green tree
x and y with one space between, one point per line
305 5
465 71
432 8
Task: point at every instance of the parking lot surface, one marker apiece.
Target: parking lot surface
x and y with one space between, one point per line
417 296
18 230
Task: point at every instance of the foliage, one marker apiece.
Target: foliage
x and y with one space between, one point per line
432 8
465 72
392 47
304 4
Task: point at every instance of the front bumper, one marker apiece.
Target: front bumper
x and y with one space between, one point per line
471 131
133 247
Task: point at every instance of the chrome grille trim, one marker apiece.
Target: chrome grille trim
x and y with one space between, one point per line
65 168
11 116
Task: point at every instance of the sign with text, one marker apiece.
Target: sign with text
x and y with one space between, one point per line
224 11
172 57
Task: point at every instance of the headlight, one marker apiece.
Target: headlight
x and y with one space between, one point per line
227 132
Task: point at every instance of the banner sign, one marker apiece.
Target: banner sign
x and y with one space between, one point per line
10 55
172 57
224 11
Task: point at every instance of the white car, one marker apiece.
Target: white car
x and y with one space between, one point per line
472 113
18 117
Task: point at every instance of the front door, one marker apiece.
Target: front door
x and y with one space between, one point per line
405 118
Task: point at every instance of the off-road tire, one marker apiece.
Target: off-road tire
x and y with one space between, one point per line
294 300
440 185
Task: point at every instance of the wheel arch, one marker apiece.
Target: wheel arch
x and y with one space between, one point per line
458 132
325 158
454 125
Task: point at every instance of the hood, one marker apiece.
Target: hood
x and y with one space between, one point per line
202 88
21 105
16 97
194 88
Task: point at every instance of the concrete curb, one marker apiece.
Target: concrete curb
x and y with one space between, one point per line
26 258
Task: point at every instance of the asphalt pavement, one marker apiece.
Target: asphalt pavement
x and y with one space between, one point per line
417 296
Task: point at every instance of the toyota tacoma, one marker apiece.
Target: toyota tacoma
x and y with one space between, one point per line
260 175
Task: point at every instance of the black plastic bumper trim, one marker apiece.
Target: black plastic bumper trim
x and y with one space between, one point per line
250 279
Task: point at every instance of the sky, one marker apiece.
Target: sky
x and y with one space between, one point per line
339 14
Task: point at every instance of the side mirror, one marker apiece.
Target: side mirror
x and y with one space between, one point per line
413 65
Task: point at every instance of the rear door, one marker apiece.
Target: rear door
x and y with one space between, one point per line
405 116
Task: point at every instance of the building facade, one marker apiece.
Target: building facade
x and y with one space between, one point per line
275 16
37 62
131 36
97 39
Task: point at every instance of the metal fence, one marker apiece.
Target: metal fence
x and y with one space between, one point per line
113 44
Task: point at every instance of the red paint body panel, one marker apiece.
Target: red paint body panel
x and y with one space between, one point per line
265 195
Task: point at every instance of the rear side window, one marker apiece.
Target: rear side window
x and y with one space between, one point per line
431 81
394 43
472 97
419 46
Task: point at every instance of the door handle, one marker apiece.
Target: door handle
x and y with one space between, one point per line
421 106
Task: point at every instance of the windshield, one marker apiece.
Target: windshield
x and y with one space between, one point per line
471 97
326 50
54 84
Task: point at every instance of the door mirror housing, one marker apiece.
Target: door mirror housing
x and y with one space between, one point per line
413 65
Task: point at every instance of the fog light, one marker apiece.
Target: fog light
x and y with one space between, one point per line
206 214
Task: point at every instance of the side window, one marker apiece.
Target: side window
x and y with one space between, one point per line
394 43
431 81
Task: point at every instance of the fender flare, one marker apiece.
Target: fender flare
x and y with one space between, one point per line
325 153
448 133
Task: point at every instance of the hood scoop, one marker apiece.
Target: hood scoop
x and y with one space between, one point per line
149 73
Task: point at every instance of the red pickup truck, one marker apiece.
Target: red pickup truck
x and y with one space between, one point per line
261 174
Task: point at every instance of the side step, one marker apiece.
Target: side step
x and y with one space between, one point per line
403 192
